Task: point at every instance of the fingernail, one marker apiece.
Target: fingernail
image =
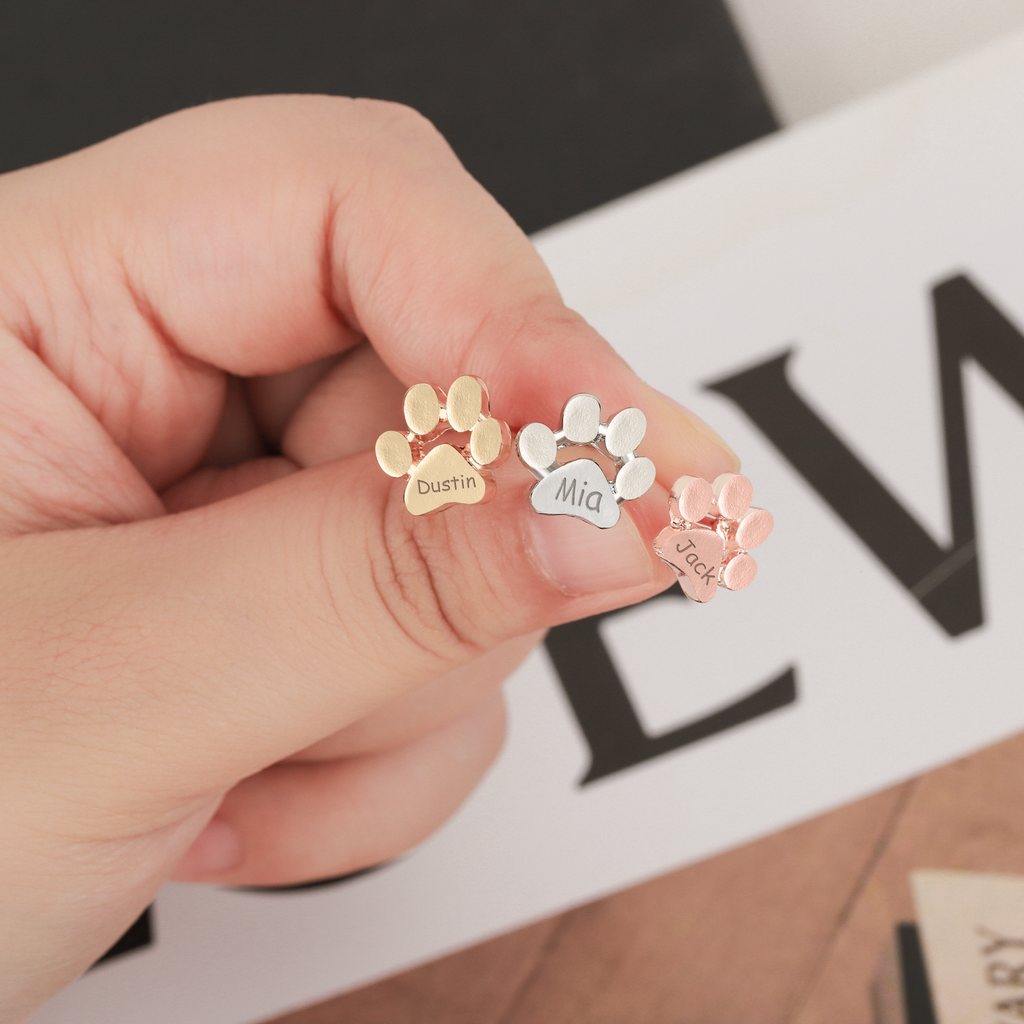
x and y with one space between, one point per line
703 429
582 559
218 848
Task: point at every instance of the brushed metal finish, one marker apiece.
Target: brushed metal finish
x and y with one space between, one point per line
712 526
394 453
485 442
580 488
465 403
537 448
739 571
422 407
694 497
754 528
448 474
635 478
625 432
581 419
733 494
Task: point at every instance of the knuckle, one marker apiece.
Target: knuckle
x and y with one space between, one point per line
400 117
403 136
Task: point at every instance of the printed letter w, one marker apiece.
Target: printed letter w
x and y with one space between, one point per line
944 580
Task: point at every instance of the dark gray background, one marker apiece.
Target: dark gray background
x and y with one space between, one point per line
556 106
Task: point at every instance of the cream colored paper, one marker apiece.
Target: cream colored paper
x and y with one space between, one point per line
972 931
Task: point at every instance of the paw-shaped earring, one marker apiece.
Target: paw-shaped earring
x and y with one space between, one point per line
580 488
447 474
713 527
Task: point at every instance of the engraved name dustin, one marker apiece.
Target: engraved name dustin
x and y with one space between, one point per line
453 483
568 493
691 560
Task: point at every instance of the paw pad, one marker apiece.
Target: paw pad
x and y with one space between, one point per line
713 528
447 474
580 488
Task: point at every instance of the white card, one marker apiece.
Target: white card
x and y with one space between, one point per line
826 239
972 932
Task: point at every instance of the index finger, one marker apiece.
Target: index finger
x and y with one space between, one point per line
276 231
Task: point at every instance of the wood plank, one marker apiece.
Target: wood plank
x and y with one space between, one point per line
737 937
474 986
965 815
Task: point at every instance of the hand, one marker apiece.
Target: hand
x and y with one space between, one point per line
250 668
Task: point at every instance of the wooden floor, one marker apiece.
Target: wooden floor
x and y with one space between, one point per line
787 930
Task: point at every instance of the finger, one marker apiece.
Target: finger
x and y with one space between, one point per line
210 483
237 436
248 629
427 708
346 411
275 399
58 466
260 235
298 821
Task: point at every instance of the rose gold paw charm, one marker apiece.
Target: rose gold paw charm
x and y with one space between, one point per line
447 474
713 527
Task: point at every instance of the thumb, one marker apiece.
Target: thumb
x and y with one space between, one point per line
200 647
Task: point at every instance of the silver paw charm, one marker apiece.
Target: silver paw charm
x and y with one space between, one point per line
580 488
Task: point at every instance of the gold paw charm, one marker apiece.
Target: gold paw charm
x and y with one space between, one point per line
447 474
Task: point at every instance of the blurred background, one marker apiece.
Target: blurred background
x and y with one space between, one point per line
555 106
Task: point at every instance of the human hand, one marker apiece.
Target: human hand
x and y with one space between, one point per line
190 627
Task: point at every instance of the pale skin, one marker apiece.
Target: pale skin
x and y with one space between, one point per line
246 669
